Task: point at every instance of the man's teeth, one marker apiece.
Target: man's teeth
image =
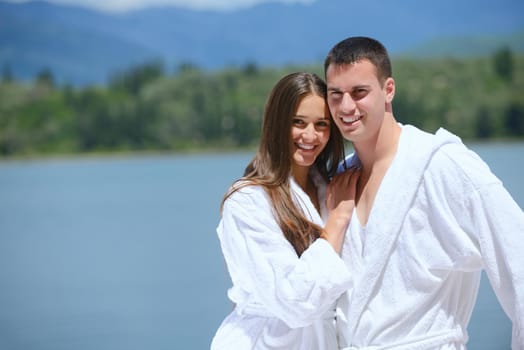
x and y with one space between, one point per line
306 147
350 119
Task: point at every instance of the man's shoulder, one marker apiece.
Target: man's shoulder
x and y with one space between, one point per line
435 139
448 159
456 163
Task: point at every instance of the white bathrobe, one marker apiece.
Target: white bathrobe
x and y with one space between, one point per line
440 216
282 301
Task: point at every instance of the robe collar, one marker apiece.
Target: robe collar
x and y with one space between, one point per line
304 202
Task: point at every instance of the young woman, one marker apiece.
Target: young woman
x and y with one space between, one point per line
282 228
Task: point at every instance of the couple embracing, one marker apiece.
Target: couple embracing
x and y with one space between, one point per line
379 250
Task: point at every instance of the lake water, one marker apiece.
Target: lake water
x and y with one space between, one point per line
121 252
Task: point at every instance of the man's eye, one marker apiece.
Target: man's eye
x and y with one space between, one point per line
359 93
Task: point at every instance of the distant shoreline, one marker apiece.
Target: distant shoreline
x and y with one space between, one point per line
191 152
126 154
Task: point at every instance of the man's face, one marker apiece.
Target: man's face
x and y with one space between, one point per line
357 100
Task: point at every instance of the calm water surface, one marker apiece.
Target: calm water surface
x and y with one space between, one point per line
121 253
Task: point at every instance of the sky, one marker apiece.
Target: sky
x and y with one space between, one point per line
128 5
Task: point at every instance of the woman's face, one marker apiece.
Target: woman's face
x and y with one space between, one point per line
310 129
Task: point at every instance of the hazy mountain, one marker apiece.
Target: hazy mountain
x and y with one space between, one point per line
84 46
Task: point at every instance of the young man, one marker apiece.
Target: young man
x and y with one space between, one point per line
429 217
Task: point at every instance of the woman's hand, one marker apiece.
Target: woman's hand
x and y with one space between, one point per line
341 193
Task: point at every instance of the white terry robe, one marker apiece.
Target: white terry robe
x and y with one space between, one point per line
282 301
439 217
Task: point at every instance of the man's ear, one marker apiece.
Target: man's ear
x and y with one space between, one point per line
389 88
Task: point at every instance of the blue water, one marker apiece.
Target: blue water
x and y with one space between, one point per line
121 252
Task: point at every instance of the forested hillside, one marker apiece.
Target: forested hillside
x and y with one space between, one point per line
146 109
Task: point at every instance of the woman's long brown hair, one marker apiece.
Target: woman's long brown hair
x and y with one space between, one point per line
271 165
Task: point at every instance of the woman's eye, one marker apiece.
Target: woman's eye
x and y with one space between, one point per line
298 122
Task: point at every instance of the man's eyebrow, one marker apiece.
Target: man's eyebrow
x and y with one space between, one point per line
361 86
353 88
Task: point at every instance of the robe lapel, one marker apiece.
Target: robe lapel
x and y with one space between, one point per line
392 202
304 202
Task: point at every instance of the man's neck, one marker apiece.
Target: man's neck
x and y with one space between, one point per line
382 147
376 156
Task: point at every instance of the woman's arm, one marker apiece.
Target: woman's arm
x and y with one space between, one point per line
341 194
263 263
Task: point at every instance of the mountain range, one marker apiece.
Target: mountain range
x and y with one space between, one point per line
82 46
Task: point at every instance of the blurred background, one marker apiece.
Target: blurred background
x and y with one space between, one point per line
122 123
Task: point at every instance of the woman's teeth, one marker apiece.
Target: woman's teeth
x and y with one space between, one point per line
306 147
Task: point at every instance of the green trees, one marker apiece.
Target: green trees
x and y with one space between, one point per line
468 96
503 64
514 119
144 108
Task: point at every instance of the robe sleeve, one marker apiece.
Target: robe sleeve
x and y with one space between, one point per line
492 216
262 261
500 226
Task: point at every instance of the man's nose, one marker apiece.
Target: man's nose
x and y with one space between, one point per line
347 105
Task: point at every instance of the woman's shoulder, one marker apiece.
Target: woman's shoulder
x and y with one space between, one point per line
247 201
246 193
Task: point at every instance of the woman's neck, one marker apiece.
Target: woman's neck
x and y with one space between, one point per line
301 176
305 182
